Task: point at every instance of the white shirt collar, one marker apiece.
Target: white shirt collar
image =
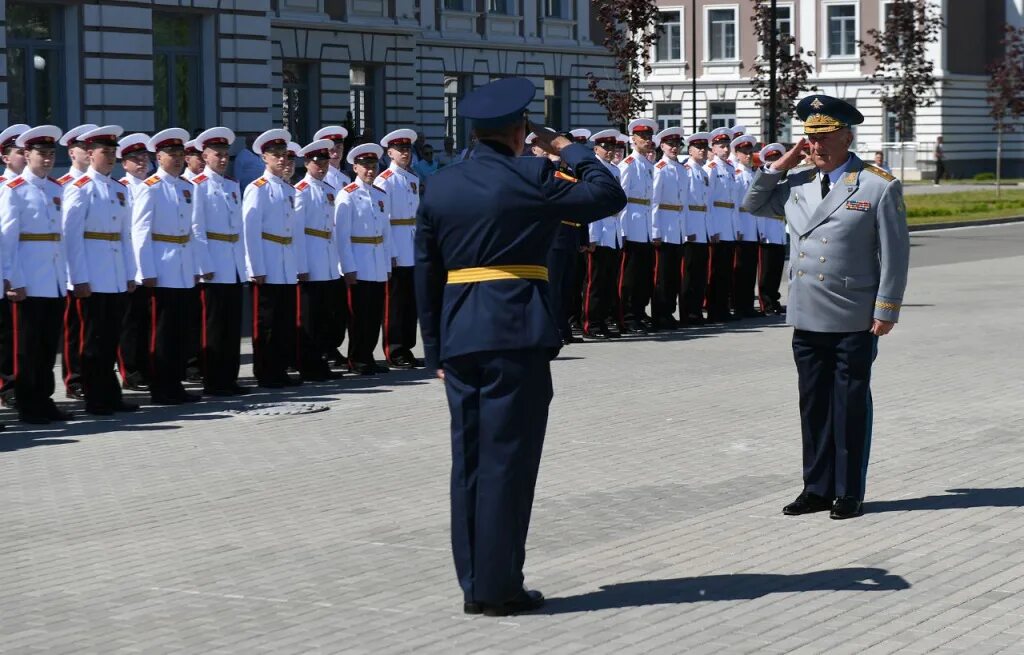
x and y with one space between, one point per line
93 173
32 177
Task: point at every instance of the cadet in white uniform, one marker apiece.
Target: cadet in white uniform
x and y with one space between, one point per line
721 222
14 164
337 134
322 299
272 231
671 183
637 270
603 255
361 210
771 236
97 227
133 351
745 267
218 202
402 187
193 168
695 232
34 263
194 163
168 260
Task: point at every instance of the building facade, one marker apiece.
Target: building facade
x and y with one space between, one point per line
720 46
373 65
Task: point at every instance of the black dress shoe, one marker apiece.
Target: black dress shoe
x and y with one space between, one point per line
135 382
219 393
54 413
193 374
599 333
76 391
161 399
634 328
125 407
524 601
239 390
807 503
99 411
33 419
401 361
571 339
846 507
291 382
695 319
188 397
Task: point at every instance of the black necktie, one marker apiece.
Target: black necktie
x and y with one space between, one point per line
825 186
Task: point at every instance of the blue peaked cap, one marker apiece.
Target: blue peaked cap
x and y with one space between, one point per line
499 103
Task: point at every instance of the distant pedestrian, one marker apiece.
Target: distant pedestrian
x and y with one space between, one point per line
880 162
940 160
448 155
426 166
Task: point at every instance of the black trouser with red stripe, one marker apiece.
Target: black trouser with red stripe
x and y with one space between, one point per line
101 316
602 266
37 337
772 259
720 257
133 352
636 275
579 285
273 332
318 314
667 274
744 274
561 269
168 330
400 313
694 284
71 346
365 311
194 330
221 335
6 345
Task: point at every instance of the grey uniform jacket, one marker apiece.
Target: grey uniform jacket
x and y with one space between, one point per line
849 252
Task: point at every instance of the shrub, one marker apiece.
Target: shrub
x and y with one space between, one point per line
984 177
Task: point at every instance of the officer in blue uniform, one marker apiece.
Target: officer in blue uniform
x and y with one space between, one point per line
570 239
483 232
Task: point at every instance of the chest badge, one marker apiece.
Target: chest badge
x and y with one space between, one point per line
56 200
414 188
330 198
234 196
851 178
858 206
380 203
188 195
291 201
120 198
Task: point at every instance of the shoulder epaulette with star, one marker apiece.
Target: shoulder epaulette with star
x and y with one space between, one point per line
3 179
386 174
686 166
628 160
199 179
352 187
258 182
302 186
64 180
661 164
82 181
152 179
565 176
713 164
124 181
15 183
879 172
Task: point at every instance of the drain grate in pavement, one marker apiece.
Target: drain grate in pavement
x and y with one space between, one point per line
279 409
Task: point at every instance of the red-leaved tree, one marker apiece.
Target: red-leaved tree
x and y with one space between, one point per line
1006 92
631 30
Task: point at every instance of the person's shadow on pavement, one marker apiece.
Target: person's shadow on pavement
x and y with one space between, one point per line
738 586
960 499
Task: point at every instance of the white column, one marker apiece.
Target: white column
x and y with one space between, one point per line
583 20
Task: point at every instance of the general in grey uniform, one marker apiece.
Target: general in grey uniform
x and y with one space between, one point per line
849 256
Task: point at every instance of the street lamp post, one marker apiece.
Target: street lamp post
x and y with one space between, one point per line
693 62
772 72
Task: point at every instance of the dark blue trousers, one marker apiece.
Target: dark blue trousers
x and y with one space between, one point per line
561 274
834 371
499 408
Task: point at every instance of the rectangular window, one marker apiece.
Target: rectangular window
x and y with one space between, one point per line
556 9
177 70
299 113
892 129
722 34
455 87
362 101
723 114
35 63
455 5
783 24
842 30
670 41
500 7
668 114
556 103
785 134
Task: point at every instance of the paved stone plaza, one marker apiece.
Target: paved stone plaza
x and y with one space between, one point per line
657 526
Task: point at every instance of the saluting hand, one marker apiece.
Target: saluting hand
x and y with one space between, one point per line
548 140
792 158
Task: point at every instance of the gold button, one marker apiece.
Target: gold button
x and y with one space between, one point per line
801 255
800 273
821 259
821 277
824 239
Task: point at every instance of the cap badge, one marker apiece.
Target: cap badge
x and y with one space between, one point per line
817 103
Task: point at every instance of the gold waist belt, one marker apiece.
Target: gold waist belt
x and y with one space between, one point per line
491 273
284 241
571 224
698 208
39 236
373 241
639 201
102 236
171 238
403 221
724 205
671 208
218 236
323 234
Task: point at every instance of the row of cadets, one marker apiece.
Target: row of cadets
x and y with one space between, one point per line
97 226
694 266
363 208
669 201
402 187
771 231
746 248
600 296
637 268
14 164
322 302
35 270
721 226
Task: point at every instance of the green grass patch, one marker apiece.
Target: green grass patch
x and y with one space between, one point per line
964 206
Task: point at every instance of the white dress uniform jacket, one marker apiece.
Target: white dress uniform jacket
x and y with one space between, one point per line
163 210
218 210
271 230
29 217
669 201
314 208
403 190
695 219
133 184
637 180
745 222
722 203
605 232
362 211
98 233
336 179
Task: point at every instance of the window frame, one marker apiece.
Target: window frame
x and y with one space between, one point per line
372 94
511 8
664 118
59 47
712 115
197 108
308 117
562 92
454 125
565 11
680 11
736 55
791 7
828 5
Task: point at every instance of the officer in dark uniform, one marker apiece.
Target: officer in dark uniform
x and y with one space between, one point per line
483 232
562 263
